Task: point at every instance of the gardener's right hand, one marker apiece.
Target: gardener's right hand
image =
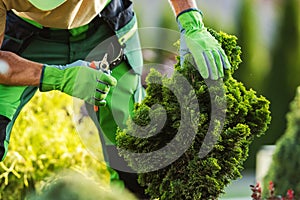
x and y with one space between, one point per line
78 80
195 40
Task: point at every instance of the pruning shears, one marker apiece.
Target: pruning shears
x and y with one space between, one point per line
102 65
105 65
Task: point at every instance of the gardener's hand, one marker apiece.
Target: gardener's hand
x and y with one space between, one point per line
205 49
78 80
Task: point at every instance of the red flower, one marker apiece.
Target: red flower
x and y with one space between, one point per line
271 189
256 195
271 185
290 194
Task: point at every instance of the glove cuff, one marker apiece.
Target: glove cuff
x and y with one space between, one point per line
188 10
50 78
41 78
190 19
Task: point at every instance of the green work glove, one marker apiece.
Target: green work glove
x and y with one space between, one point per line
205 49
78 80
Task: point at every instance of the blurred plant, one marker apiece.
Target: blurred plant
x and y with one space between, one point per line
43 142
285 68
256 59
78 185
284 168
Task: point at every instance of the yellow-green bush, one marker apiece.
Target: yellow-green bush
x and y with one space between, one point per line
43 142
71 185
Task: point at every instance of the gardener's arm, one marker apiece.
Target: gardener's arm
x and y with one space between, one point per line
208 55
181 5
15 70
76 79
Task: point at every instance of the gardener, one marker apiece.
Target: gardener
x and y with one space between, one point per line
39 37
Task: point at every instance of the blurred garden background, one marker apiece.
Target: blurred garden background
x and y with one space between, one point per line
45 139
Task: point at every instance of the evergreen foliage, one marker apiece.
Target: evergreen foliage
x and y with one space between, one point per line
284 169
192 175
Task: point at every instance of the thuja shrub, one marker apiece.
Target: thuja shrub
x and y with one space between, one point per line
284 169
204 139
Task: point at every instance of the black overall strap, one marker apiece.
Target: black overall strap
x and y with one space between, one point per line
3 124
118 13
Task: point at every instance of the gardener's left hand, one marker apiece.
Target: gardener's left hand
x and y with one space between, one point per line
208 55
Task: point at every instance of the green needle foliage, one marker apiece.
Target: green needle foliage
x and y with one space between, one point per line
284 169
207 129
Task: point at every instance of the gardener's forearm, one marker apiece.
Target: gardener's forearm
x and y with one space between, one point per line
181 5
18 71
